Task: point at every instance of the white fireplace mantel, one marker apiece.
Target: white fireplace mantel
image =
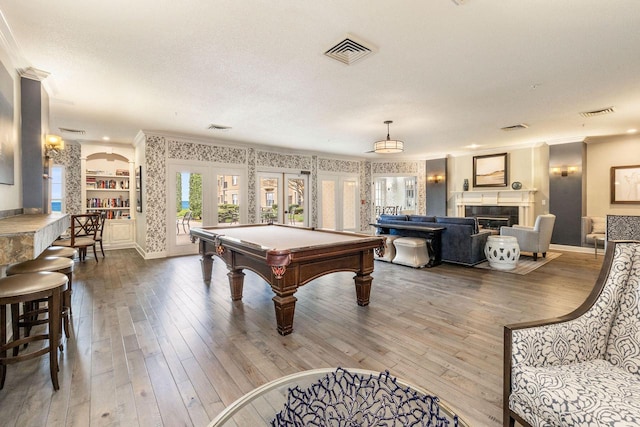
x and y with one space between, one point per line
523 199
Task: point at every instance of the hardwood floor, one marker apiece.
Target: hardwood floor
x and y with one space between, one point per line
154 345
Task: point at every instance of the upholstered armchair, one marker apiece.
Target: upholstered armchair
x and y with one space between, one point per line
593 228
534 239
581 369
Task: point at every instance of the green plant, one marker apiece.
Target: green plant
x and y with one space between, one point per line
195 195
228 212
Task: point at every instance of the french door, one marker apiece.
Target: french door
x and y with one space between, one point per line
186 206
338 203
201 195
282 198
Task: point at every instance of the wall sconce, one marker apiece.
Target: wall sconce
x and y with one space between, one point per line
53 144
564 170
435 178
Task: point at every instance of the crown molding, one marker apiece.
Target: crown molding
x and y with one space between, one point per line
33 73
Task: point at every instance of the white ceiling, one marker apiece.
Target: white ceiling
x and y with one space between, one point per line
449 75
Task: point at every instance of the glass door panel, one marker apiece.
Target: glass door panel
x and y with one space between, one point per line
349 205
186 207
269 197
296 200
328 204
228 199
339 203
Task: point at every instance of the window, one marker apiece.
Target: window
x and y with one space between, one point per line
234 199
56 188
270 198
234 180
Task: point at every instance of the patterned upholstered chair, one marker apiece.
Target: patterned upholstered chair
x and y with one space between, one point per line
583 368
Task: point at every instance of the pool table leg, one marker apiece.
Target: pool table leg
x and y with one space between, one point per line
206 263
285 308
236 282
363 288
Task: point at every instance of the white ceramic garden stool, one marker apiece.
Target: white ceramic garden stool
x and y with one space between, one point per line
502 252
411 251
389 248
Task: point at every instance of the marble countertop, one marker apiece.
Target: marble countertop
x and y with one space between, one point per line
21 224
24 237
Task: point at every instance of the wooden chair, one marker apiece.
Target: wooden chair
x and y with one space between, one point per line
98 238
84 228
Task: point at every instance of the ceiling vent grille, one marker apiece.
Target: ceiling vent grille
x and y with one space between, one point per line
69 130
514 127
349 51
608 110
218 127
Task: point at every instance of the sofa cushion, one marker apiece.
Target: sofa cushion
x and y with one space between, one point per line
473 222
598 225
387 218
422 218
588 393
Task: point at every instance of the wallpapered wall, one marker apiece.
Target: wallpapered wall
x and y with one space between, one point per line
70 159
159 148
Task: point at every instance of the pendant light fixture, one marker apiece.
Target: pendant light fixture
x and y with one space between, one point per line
388 146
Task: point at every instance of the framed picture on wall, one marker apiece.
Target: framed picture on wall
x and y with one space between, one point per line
490 170
139 189
625 184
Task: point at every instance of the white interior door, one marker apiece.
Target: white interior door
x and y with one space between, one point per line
338 203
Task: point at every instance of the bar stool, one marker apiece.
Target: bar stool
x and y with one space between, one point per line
54 264
25 288
61 251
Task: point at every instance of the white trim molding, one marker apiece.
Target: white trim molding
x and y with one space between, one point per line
523 199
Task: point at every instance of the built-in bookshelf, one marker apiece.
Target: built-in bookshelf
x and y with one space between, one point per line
108 186
108 191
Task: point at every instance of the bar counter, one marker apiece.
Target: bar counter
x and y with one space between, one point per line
24 237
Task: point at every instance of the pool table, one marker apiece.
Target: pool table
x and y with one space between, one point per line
287 257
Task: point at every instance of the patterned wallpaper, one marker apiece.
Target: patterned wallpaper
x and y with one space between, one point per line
334 165
70 159
154 179
182 150
280 160
253 191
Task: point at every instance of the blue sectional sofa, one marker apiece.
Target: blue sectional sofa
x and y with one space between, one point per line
462 242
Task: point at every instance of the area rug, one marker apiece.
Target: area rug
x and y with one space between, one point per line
526 264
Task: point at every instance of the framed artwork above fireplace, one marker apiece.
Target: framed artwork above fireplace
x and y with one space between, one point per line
490 170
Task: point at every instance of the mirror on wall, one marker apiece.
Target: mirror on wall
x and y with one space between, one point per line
395 195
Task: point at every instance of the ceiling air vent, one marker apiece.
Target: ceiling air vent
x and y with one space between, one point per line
514 127
69 130
349 51
598 112
218 127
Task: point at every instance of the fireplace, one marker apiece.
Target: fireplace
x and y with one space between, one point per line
514 206
493 217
